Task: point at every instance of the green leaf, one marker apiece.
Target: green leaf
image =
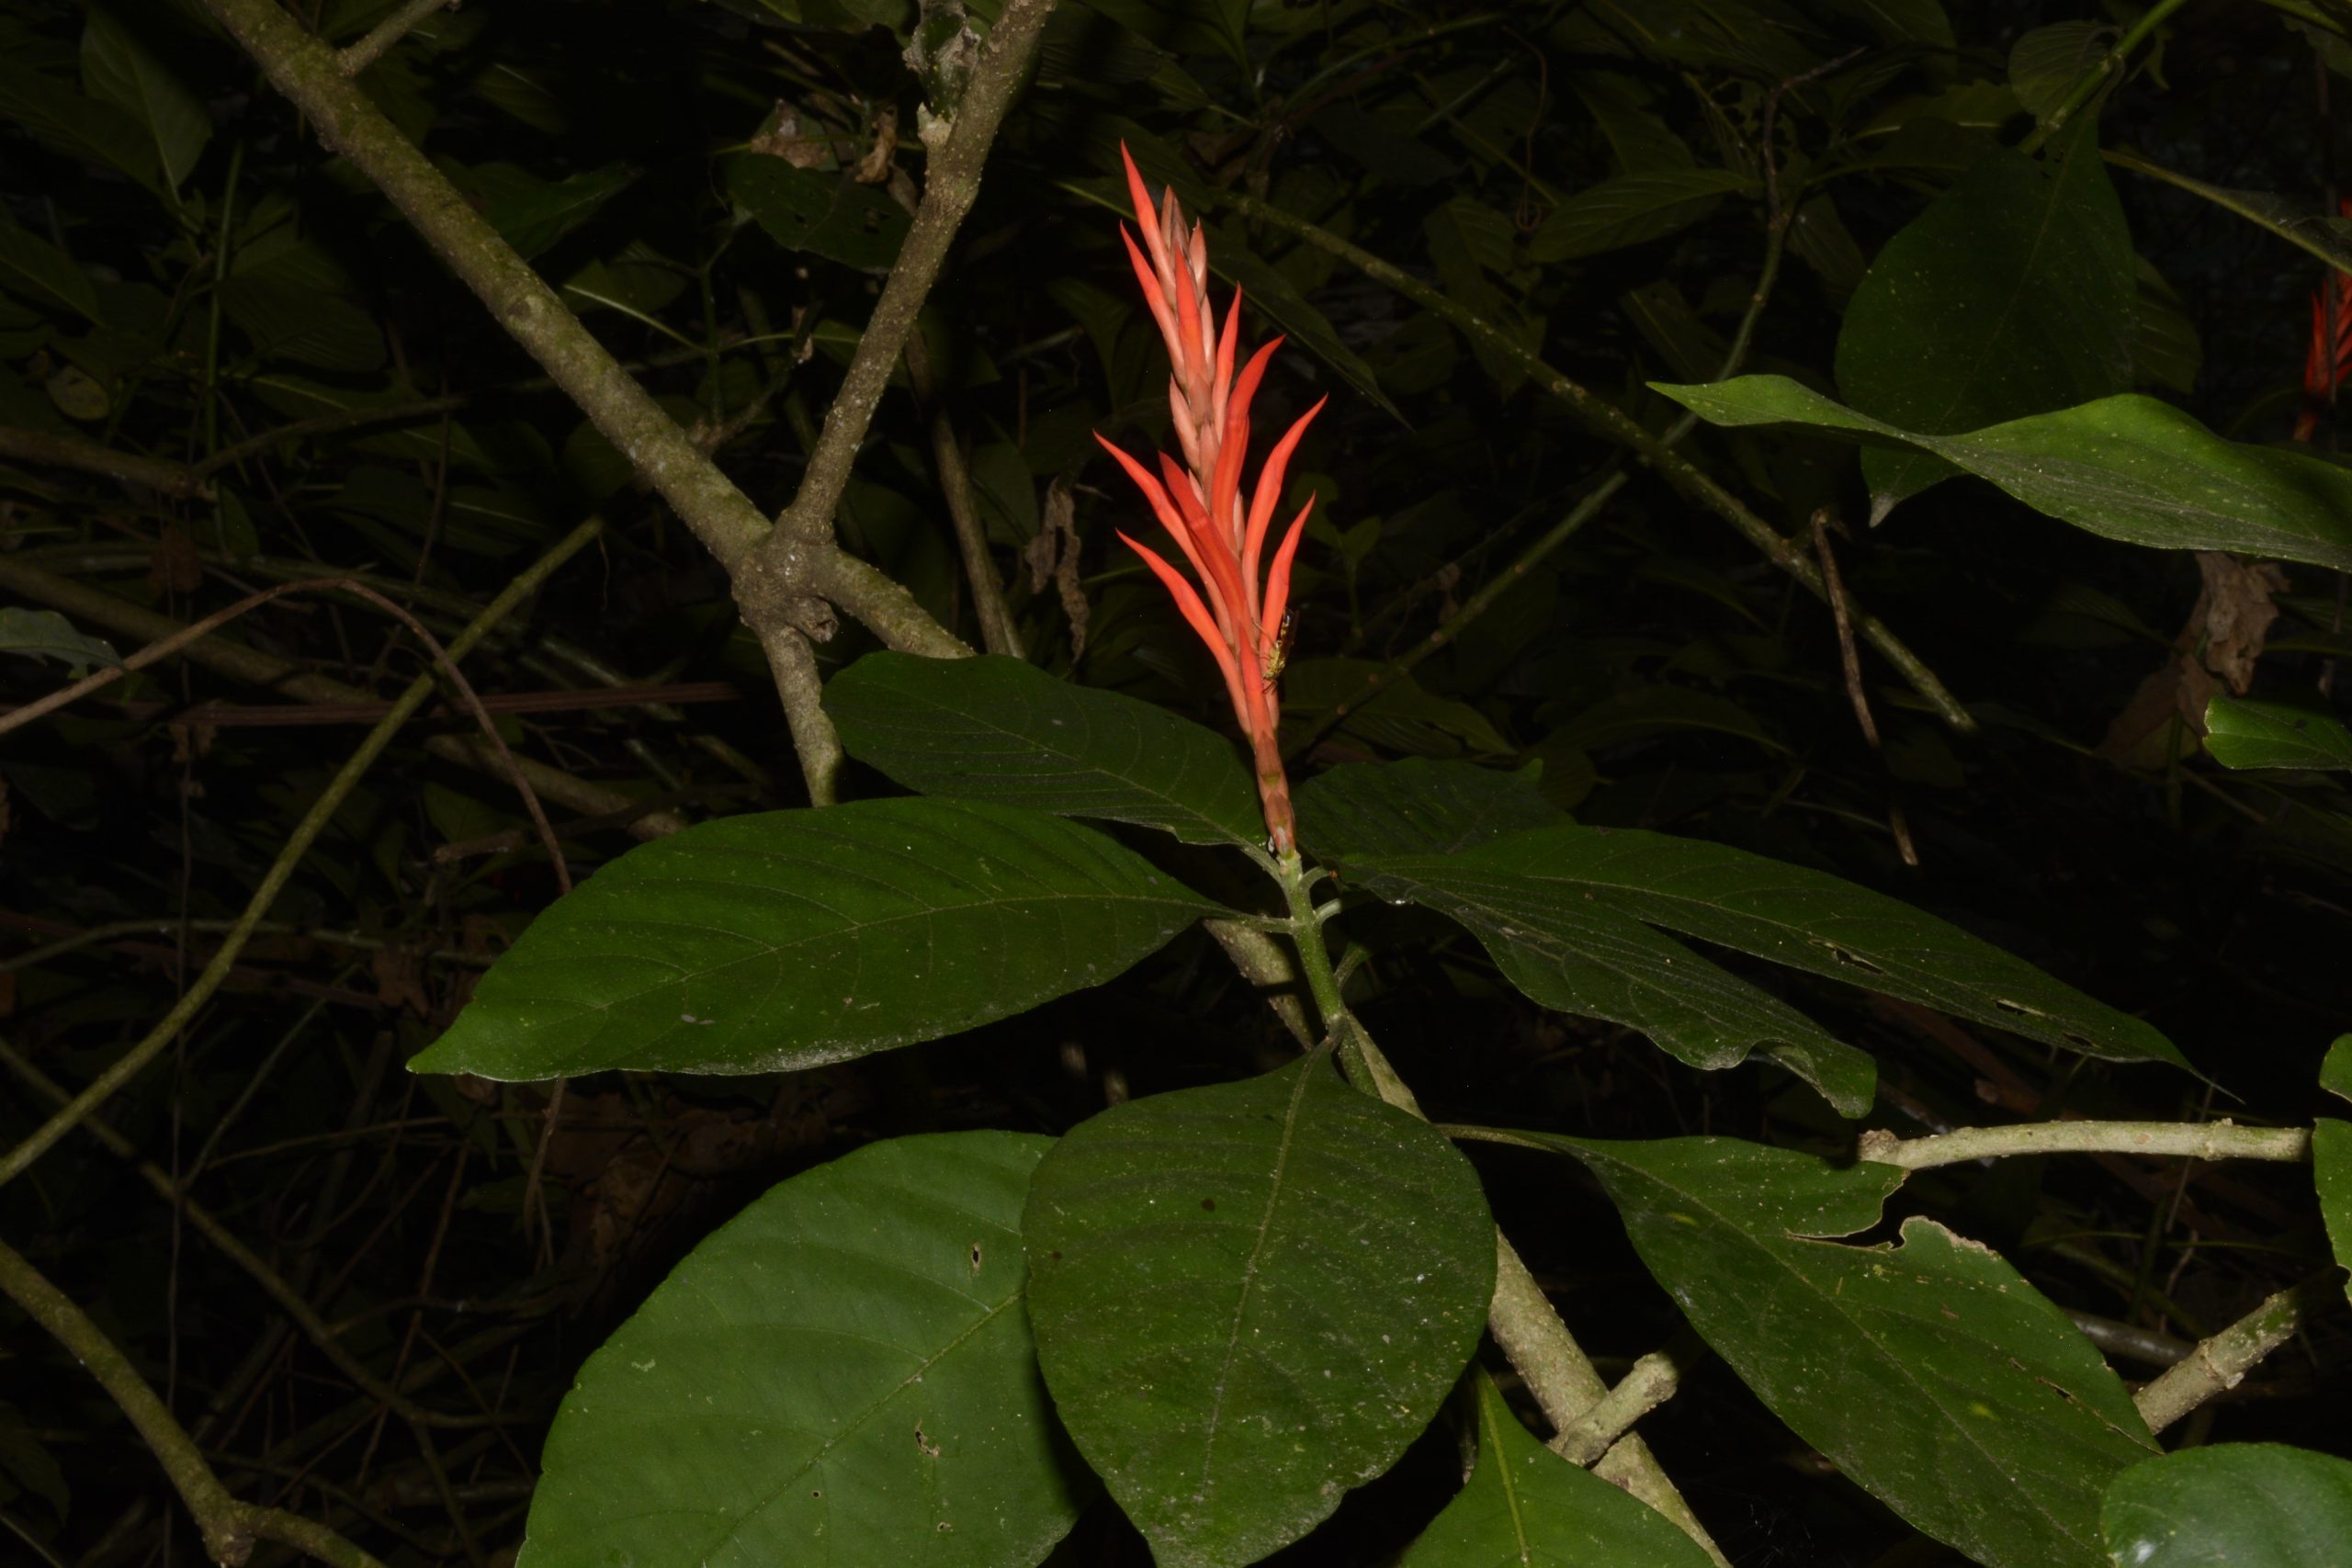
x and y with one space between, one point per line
999 730
1251 1297
1525 1506
2045 63
533 220
844 1372
1416 806
1930 1372
2335 1068
1569 950
1265 287
77 126
33 269
1631 209
2240 734
2231 1506
2332 1176
829 214
2327 236
789 939
2012 294
2128 467
119 69
1400 715
45 634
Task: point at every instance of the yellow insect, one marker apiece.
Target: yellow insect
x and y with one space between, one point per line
1279 655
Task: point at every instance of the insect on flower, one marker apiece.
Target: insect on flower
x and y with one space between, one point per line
1239 608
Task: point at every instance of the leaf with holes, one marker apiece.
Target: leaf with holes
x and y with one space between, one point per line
826 214
1416 807
790 939
2231 1506
1250 1298
844 1372
1930 1372
1003 730
1525 1506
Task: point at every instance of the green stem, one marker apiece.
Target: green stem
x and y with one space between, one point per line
298 844
2133 35
2221 1362
2190 1139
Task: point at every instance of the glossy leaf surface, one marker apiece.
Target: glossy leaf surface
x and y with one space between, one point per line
1930 1372
2128 468
1250 1298
1415 806
789 939
1000 729
1524 1507
2241 734
844 1372
2231 1506
2010 295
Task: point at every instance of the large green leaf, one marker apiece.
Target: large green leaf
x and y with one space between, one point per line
1930 1372
2332 1154
841 1373
1630 211
33 269
2129 468
117 68
2012 294
1525 1506
1251 1297
2241 734
789 939
829 214
1416 807
1571 952
77 126
45 634
1000 729
534 220
2232 1505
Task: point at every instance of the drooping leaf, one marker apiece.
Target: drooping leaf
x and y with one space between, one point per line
2010 295
533 220
1930 1372
1577 954
32 268
1250 1298
1000 729
2231 1506
1416 807
843 1372
2128 468
77 124
119 68
1524 1507
829 214
2241 734
789 939
45 634
1630 211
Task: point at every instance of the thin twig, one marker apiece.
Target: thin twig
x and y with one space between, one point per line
18 1159
79 452
2221 1362
1651 1382
999 633
355 58
2189 1140
1848 656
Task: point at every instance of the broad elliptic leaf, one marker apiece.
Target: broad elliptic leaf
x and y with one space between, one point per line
119 68
789 939
828 214
45 634
2332 1154
841 1373
2335 1068
1251 1297
1930 1372
2130 468
1524 1507
1630 211
2241 734
2231 1506
1001 729
532 221
2012 294
32 268
1416 807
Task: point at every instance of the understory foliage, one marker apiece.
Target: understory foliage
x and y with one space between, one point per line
1729 955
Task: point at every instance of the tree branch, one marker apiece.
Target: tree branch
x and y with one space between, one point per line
2221 1363
355 58
2193 1140
81 453
1652 1382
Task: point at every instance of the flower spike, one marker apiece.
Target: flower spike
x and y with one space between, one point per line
1199 501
